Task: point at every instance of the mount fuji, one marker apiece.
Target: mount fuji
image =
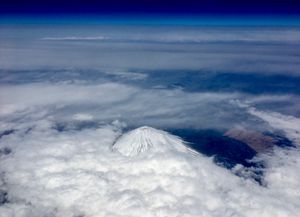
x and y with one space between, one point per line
144 139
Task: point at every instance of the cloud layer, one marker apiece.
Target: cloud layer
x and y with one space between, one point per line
49 172
273 50
75 173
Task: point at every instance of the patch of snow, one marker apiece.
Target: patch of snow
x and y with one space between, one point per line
145 139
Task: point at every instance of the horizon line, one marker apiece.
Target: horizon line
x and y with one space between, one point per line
154 19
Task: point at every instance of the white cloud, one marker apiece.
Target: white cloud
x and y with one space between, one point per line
186 35
282 163
75 173
19 97
74 38
150 48
289 124
110 101
128 75
83 117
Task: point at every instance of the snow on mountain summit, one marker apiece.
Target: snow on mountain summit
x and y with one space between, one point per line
146 138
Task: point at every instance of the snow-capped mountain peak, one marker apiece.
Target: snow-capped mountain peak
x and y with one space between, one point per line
145 139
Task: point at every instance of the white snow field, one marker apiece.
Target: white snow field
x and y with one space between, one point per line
149 139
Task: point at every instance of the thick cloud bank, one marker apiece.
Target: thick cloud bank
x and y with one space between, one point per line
48 172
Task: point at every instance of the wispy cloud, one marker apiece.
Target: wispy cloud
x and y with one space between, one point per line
191 48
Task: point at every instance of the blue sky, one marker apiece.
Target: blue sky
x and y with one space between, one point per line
286 7
176 12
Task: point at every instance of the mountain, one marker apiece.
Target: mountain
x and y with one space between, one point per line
255 140
144 139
